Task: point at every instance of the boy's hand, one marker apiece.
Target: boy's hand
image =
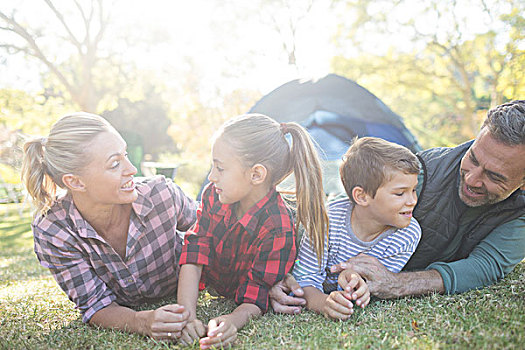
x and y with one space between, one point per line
355 287
194 330
221 333
338 306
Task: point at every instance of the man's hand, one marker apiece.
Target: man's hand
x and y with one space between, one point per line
381 282
281 301
338 306
221 333
388 285
355 287
194 330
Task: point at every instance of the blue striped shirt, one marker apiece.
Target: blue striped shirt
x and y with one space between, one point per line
392 248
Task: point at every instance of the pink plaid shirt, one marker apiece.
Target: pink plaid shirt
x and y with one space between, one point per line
89 270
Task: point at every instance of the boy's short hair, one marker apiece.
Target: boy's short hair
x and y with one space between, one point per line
369 162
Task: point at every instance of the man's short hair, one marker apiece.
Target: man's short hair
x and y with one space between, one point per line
506 123
370 162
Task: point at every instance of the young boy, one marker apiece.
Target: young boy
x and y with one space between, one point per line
380 180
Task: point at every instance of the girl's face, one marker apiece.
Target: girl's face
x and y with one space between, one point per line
108 178
231 178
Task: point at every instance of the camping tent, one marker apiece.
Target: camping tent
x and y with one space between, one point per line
334 110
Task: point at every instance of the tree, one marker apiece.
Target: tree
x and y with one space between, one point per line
143 123
449 75
76 73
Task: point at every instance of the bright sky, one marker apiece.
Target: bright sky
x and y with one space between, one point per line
220 43
225 49
202 33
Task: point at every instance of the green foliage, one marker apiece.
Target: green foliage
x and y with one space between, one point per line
8 174
35 313
143 123
30 113
444 81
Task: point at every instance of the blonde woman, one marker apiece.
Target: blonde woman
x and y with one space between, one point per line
110 241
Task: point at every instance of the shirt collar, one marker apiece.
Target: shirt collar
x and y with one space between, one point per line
250 219
143 205
83 228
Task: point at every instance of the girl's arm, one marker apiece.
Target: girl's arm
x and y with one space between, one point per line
222 330
166 322
187 295
188 290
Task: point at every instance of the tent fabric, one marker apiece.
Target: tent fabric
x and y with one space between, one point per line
335 98
334 133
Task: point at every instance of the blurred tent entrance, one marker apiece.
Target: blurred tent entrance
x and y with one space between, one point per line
334 110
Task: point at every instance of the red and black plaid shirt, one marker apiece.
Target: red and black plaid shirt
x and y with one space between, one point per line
242 258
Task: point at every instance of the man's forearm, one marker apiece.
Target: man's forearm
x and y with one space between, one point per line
409 283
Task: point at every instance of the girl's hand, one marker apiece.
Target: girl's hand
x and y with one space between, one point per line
353 284
167 322
338 306
194 330
221 333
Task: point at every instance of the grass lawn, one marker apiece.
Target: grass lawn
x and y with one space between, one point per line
35 314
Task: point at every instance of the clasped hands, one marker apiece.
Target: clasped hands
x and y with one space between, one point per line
219 332
338 305
172 322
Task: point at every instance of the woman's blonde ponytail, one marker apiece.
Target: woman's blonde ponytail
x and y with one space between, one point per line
46 160
38 184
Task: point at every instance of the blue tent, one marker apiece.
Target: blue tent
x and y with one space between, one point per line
334 110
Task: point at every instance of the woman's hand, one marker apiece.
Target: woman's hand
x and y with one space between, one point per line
167 322
221 333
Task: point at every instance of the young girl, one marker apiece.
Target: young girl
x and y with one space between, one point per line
243 242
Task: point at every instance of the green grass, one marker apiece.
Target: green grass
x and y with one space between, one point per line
35 314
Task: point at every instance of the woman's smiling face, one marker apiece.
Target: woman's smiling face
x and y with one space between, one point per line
108 177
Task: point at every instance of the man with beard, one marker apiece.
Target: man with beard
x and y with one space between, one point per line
471 210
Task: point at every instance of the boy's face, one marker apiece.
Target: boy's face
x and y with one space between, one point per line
395 200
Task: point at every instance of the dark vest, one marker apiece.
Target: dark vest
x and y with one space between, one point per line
439 209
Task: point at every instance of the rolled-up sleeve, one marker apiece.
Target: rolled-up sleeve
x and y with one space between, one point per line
491 260
72 273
